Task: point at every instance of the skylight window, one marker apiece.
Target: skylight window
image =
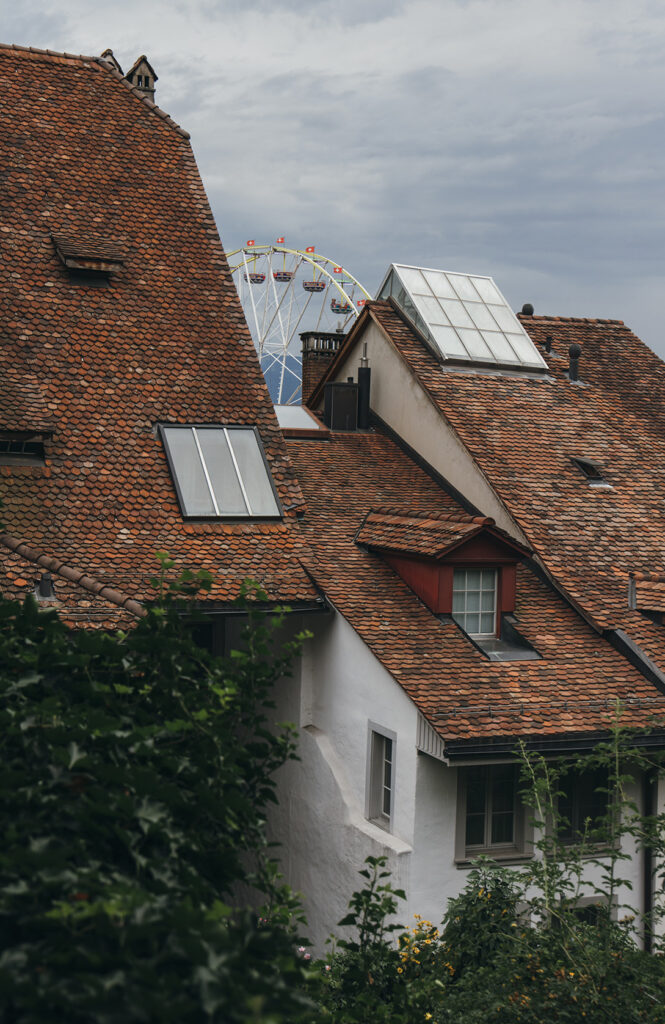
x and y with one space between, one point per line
220 471
592 470
464 317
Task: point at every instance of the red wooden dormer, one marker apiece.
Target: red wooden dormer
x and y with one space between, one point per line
426 550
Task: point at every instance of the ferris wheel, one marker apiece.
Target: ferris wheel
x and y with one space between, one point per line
284 292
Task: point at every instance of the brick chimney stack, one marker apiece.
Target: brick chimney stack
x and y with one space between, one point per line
319 348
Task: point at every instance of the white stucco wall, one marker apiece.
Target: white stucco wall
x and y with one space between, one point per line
338 687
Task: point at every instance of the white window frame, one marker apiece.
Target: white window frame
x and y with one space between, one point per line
481 569
377 736
521 848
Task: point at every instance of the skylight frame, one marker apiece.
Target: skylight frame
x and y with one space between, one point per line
219 513
453 334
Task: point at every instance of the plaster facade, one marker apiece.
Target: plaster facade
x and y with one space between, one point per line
399 400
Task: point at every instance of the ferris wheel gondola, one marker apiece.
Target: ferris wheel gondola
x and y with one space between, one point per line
284 292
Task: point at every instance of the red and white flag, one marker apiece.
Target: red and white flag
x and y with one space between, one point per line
361 302
310 248
251 242
338 270
280 241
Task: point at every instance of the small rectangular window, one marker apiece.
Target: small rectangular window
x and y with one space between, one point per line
220 471
583 804
381 778
491 816
474 600
21 451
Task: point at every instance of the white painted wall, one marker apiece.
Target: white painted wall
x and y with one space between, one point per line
402 403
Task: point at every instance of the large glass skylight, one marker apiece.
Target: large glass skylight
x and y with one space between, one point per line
463 316
220 471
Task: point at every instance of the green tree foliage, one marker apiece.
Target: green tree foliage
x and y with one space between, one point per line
136 773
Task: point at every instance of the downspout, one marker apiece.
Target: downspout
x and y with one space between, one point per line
649 807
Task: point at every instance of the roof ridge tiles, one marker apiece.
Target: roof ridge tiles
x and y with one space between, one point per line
76 576
528 318
455 517
102 64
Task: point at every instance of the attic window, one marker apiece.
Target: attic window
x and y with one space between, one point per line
21 449
85 254
474 601
220 471
592 471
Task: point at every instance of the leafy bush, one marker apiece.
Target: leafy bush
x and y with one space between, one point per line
136 776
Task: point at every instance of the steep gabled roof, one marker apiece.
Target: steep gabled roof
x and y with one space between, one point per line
525 433
425 534
570 691
102 363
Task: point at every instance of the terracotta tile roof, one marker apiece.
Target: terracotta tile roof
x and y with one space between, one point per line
388 529
424 534
571 690
164 341
522 433
81 601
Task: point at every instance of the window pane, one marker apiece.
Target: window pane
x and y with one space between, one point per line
471 622
439 284
481 316
487 623
254 473
188 471
473 579
464 287
502 827
473 600
456 313
221 471
476 799
503 804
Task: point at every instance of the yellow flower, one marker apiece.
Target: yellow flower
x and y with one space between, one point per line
428 1016
400 970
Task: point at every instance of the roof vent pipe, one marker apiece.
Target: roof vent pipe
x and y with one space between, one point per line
574 352
364 383
44 590
548 343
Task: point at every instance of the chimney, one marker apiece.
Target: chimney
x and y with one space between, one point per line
574 352
319 348
110 59
142 76
364 381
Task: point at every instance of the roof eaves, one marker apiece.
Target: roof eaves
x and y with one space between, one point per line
76 576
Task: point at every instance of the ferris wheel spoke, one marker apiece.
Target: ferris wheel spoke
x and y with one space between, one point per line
269 279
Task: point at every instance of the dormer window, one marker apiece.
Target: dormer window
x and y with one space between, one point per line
474 601
19 448
220 472
591 470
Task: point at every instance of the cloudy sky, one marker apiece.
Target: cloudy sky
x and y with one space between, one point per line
518 138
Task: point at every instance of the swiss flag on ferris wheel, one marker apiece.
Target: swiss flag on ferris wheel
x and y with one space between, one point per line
251 242
338 270
361 302
280 241
310 248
